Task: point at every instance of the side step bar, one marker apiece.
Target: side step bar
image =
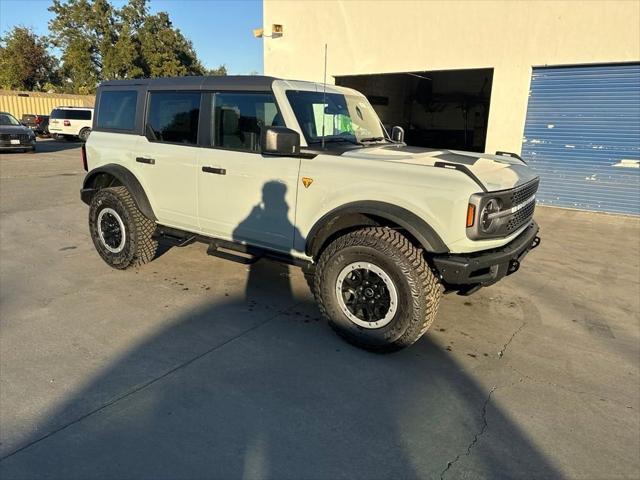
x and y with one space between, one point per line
173 238
222 249
228 250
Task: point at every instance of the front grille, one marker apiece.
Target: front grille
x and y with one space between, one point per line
524 192
518 196
520 217
7 137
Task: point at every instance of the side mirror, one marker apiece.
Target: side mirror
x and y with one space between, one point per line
397 134
280 141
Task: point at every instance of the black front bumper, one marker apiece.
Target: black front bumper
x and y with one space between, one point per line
466 272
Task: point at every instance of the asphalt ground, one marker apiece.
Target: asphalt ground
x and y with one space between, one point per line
196 367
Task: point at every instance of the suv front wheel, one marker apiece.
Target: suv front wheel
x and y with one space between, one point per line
122 235
376 289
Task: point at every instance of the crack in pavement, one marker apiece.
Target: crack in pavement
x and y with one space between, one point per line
504 348
476 437
484 427
148 383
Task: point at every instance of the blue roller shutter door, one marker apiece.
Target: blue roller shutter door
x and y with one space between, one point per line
582 136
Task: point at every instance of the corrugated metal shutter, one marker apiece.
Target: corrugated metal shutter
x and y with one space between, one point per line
582 136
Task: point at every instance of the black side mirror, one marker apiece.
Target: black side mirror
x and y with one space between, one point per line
397 134
280 141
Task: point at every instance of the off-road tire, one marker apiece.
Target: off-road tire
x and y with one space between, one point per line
418 289
139 247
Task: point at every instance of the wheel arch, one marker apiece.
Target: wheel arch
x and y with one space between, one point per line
370 213
112 175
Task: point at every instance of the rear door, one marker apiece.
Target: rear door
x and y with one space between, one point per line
166 157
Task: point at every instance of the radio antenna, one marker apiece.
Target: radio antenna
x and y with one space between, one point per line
324 93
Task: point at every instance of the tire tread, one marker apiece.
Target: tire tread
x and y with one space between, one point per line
425 287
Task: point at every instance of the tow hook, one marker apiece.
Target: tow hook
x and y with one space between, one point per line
514 265
535 243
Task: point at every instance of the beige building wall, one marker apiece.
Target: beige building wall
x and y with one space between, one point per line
39 103
399 36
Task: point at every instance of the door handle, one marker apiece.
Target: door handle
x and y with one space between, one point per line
150 161
216 170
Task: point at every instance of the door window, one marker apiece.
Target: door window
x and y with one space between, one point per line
239 117
172 117
117 109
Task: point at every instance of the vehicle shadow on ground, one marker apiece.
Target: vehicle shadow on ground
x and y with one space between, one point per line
52 146
257 387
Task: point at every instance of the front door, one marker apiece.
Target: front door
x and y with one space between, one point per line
243 195
167 157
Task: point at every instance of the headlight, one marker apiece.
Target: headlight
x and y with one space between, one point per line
488 215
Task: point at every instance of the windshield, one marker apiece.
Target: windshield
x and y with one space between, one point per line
346 117
6 119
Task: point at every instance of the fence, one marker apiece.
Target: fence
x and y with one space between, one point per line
40 103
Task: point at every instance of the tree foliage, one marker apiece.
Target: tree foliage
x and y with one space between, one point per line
100 42
25 63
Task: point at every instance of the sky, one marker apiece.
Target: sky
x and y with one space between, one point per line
221 30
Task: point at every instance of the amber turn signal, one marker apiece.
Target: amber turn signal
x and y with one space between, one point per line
471 215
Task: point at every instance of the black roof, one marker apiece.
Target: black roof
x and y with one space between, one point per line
226 82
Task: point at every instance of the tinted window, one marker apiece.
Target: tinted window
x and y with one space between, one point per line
173 116
117 110
69 114
239 117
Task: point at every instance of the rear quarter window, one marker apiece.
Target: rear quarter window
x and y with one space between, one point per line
117 110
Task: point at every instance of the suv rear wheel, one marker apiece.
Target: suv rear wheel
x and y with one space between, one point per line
120 232
84 134
376 289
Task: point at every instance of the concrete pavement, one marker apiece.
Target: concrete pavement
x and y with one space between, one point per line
194 367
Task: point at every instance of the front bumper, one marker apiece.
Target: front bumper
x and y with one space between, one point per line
467 272
22 146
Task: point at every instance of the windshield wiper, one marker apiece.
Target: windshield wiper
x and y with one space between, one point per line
372 139
336 139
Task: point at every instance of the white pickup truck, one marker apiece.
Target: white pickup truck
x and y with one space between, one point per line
304 173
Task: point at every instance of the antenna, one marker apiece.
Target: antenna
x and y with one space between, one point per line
324 93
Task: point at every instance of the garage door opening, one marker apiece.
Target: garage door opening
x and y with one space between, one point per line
437 109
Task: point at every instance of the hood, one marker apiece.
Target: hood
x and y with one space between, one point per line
495 172
14 129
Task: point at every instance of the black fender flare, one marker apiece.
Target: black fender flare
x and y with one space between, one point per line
92 183
357 214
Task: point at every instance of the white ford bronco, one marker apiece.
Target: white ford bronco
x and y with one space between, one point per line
306 174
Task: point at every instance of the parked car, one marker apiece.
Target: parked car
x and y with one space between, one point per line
261 167
38 123
71 122
14 136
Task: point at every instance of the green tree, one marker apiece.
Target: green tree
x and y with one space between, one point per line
100 42
217 72
165 51
73 31
25 63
